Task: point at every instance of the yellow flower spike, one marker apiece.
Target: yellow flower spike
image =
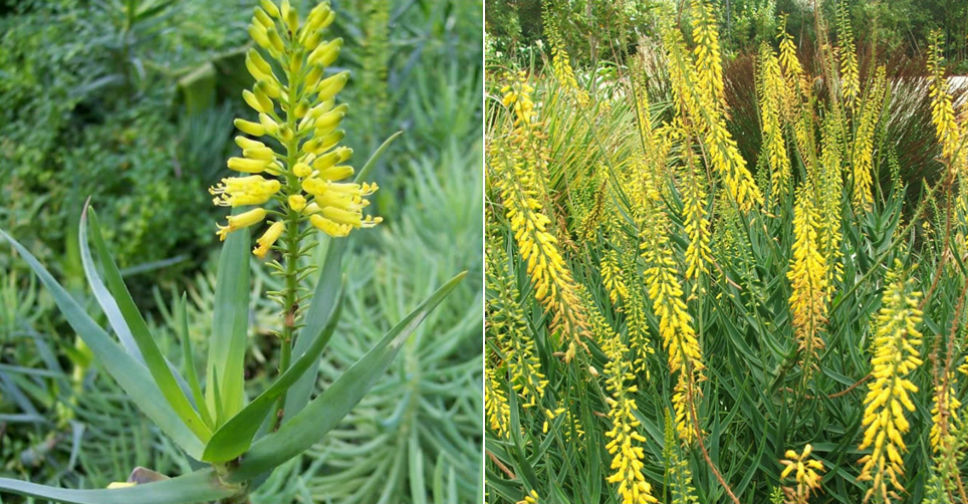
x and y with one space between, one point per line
241 221
295 102
804 471
120 484
249 127
894 357
268 239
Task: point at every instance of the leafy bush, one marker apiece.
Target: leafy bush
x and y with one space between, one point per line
730 293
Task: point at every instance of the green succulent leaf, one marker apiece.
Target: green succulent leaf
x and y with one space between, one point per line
230 323
235 436
200 486
131 375
326 410
123 314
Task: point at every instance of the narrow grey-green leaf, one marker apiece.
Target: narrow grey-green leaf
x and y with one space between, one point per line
120 299
132 376
226 350
235 436
199 486
326 410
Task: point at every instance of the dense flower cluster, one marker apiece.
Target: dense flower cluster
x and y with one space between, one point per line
808 278
624 437
804 470
520 191
300 163
895 355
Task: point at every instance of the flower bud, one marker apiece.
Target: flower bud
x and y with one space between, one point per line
291 17
260 36
247 165
249 127
276 42
297 202
258 104
271 127
263 19
326 54
332 85
301 170
269 88
270 8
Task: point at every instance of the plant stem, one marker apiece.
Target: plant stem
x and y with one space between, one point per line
291 254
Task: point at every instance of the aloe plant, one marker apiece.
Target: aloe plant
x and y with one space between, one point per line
238 441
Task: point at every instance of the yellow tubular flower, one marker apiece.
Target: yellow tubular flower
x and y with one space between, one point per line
804 470
269 238
808 278
531 498
624 439
241 221
895 355
297 109
239 191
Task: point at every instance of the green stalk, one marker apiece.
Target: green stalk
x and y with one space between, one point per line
290 306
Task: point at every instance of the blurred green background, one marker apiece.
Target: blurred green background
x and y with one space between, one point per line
130 103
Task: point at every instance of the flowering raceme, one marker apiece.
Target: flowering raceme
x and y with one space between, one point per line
895 355
299 165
